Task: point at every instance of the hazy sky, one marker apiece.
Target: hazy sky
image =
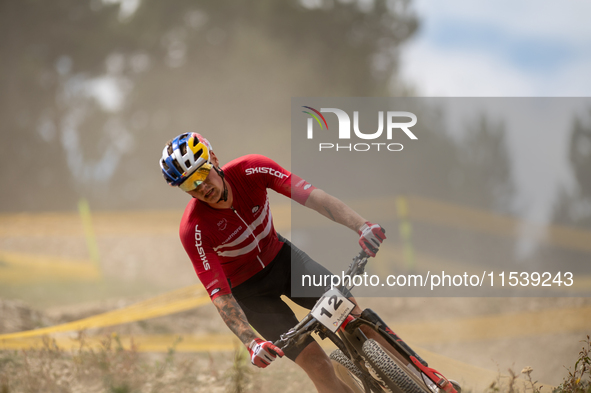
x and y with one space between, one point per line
510 48
500 48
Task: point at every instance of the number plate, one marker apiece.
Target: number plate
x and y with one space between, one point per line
332 309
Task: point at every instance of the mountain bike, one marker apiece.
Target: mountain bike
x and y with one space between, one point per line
363 363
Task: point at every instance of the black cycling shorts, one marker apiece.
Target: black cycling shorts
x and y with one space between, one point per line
260 296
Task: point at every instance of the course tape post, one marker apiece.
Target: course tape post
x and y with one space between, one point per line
91 242
405 229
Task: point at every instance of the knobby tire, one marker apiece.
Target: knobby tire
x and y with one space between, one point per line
391 370
348 372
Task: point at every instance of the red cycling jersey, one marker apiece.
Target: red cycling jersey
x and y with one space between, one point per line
228 246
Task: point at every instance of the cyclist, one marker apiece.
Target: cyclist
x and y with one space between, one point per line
244 264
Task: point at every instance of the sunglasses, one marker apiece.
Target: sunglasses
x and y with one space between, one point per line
196 178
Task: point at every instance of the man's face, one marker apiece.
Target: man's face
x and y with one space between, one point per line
210 191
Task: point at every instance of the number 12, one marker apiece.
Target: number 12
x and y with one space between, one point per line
335 302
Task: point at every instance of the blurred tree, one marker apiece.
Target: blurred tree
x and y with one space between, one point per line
92 89
482 177
48 50
574 208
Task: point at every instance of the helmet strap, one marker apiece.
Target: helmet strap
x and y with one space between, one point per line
220 172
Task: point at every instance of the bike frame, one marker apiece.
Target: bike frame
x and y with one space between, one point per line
350 339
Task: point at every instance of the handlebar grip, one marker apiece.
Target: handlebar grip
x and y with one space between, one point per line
273 352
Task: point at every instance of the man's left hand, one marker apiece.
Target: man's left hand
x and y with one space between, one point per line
370 237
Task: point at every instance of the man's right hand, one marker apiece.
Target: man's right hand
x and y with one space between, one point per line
262 353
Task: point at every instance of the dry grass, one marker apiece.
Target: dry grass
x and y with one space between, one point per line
114 369
579 377
111 368
577 381
240 374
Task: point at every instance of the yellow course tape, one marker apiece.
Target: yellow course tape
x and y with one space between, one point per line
495 327
16 268
453 329
418 209
146 343
452 215
449 215
391 260
471 377
488 327
169 303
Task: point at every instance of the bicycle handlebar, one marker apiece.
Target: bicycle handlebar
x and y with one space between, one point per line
356 267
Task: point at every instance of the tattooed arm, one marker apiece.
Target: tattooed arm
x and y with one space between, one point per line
333 208
234 317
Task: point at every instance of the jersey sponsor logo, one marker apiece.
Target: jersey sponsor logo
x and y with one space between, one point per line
255 209
270 171
307 186
222 224
199 246
214 291
232 234
211 284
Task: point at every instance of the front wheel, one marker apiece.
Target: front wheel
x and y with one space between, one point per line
352 376
347 371
391 371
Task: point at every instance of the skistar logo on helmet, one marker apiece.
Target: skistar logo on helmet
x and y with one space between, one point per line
393 123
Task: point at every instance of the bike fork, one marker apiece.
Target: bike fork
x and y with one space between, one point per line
433 375
371 316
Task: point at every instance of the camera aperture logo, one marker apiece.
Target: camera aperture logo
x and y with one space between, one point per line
395 121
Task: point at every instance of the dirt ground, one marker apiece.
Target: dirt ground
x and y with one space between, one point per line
474 331
547 354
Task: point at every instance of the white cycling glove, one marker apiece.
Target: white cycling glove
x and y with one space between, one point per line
370 237
262 353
